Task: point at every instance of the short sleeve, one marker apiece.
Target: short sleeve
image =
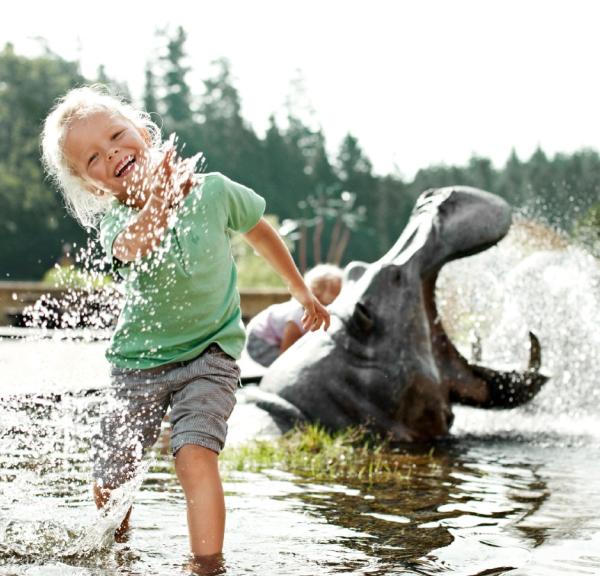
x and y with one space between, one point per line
111 226
244 206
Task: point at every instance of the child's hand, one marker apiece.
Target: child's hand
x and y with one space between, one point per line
171 179
165 175
315 314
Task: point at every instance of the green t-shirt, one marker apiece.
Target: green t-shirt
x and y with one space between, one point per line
182 297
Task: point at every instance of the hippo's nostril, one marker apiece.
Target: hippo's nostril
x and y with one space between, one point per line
449 418
362 319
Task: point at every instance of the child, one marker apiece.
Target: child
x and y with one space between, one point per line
276 328
180 331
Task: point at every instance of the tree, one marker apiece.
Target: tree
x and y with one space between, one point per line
34 224
177 98
283 168
511 183
228 142
355 172
150 101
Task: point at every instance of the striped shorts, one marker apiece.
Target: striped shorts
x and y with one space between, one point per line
200 393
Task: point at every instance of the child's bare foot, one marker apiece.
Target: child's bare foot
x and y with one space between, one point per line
212 565
101 497
122 532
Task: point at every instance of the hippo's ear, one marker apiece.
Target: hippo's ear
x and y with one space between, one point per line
361 321
353 271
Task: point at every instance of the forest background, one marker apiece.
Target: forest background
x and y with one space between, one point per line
329 208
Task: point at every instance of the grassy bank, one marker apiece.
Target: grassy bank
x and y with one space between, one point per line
312 452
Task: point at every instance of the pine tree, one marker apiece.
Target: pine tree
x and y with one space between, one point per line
150 101
177 97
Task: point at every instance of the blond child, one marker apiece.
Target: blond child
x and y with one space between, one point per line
165 228
277 327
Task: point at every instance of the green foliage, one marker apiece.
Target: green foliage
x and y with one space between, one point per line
33 224
150 101
71 277
177 94
587 229
290 167
253 271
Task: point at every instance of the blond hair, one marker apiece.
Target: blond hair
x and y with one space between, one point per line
76 104
323 272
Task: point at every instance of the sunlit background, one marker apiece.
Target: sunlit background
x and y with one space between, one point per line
418 83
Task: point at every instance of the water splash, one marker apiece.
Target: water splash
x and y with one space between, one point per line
46 506
533 280
89 297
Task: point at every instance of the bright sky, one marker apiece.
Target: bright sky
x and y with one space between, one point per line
418 82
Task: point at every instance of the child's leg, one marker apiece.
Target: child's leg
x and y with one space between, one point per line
130 424
199 413
101 497
198 472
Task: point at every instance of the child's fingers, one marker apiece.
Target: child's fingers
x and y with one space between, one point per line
305 320
315 318
164 176
165 168
321 317
327 320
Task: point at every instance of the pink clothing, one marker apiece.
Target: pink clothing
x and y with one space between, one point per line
270 323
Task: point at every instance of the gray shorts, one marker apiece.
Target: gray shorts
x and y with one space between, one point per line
201 394
260 350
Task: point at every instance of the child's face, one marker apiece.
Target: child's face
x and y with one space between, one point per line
104 149
326 290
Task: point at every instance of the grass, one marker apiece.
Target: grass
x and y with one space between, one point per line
312 452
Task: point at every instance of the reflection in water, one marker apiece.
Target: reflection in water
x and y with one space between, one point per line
455 512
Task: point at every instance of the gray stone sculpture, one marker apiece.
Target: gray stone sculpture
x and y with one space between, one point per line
386 361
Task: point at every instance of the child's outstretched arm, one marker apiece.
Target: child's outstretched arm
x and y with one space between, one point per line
267 242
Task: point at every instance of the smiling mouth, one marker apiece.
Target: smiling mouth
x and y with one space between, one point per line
125 166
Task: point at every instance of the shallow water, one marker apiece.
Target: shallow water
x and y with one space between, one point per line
512 491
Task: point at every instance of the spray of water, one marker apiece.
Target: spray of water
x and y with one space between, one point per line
536 280
46 509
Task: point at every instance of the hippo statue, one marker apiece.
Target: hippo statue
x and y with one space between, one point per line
386 361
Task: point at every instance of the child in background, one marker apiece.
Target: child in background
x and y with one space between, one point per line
276 328
165 228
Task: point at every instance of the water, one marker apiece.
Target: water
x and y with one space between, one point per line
509 492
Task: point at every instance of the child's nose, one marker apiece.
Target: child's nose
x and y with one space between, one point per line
112 152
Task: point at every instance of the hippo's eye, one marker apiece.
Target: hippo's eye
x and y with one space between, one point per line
396 274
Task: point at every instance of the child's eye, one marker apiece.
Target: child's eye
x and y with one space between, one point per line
117 134
92 158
